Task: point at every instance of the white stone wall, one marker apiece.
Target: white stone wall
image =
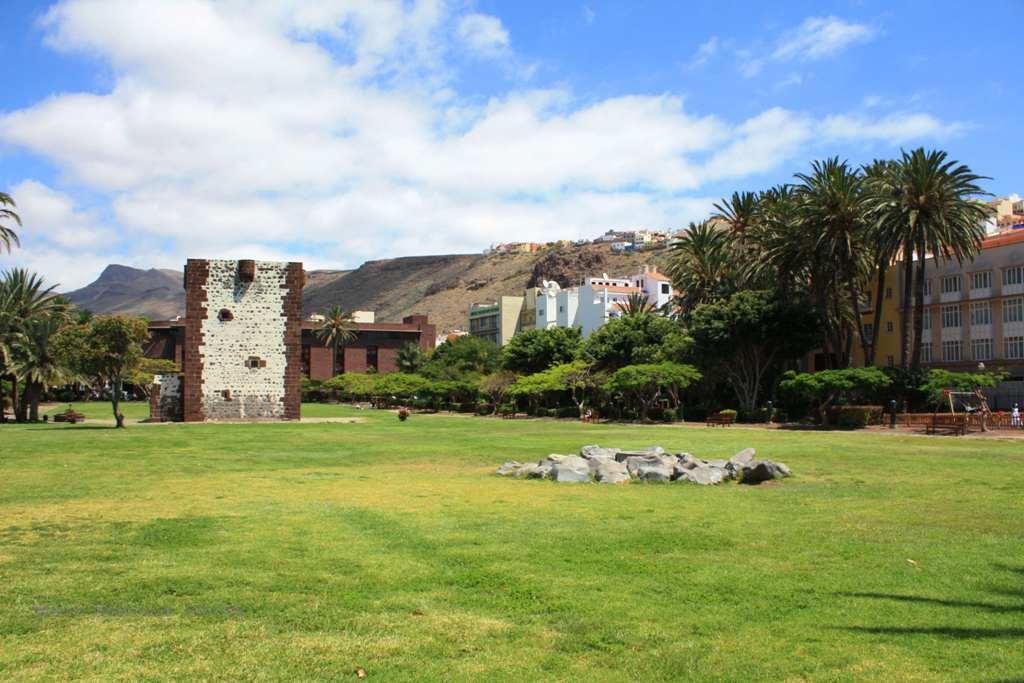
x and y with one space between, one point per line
169 401
256 329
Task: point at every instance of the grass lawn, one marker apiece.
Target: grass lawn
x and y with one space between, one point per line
303 551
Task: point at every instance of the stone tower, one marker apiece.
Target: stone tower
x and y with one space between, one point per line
243 340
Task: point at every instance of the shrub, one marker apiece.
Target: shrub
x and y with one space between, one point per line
856 417
728 412
568 411
403 414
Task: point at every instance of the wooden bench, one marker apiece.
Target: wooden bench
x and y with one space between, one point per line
949 423
719 420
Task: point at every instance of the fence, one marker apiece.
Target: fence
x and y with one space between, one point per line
995 422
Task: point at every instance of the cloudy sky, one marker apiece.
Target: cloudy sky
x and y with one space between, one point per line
336 131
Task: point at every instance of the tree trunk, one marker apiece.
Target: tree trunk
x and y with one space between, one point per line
30 396
855 302
908 284
877 321
16 410
915 359
115 400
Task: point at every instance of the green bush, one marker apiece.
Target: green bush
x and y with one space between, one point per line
568 411
728 412
856 417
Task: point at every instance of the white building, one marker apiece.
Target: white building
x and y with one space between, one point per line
595 302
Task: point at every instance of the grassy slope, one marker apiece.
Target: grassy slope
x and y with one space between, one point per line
303 551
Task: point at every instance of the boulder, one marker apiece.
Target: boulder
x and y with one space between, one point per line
781 469
689 461
609 471
651 467
529 471
720 464
743 457
622 456
571 468
508 469
757 471
542 470
705 476
595 451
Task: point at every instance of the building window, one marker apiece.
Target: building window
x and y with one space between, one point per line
561 309
926 352
981 313
1014 348
869 330
981 280
981 349
371 357
540 312
927 320
665 288
888 326
951 316
927 288
890 361
1013 309
254 362
1013 276
888 292
951 350
951 284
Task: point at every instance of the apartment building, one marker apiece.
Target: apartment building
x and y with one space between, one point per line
496 321
973 312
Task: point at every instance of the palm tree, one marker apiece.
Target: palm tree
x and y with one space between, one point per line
7 235
636 304
833 207
884 237
935 203
23 299
337 329
703 265
40 365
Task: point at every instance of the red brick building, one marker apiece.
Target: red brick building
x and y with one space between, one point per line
376 345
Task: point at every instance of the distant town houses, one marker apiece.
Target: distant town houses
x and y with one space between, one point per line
587 306
620 241
1009 214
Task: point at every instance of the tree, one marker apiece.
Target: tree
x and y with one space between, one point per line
644 338
354 385
410 358
496 386
823 388
41 366
107 351
579 379
648 382
7 216
464 358
941 380
148 369
748 334
337 329
402 386
935 202
636 304
23 300
703 265
535 350
834 207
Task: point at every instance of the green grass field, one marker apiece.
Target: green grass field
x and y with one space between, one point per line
303 551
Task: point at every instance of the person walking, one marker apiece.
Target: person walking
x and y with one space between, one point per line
1015 416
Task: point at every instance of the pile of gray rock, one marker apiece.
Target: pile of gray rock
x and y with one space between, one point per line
618 466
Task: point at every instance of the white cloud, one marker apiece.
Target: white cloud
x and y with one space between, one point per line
705 51
333 132
483 34
814 39
820 37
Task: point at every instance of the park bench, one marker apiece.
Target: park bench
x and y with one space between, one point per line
719 420
70 416
950 423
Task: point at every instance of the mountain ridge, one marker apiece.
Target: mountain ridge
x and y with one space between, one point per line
440 286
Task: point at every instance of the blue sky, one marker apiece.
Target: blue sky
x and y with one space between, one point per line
335 132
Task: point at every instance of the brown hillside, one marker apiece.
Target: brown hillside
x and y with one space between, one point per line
442 287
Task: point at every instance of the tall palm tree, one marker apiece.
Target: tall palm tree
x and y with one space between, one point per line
40 366
884 237
7 213
337 329
702 265
636 304
833 206
23 299
936 203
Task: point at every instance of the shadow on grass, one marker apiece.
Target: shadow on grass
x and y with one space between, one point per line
1016 606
